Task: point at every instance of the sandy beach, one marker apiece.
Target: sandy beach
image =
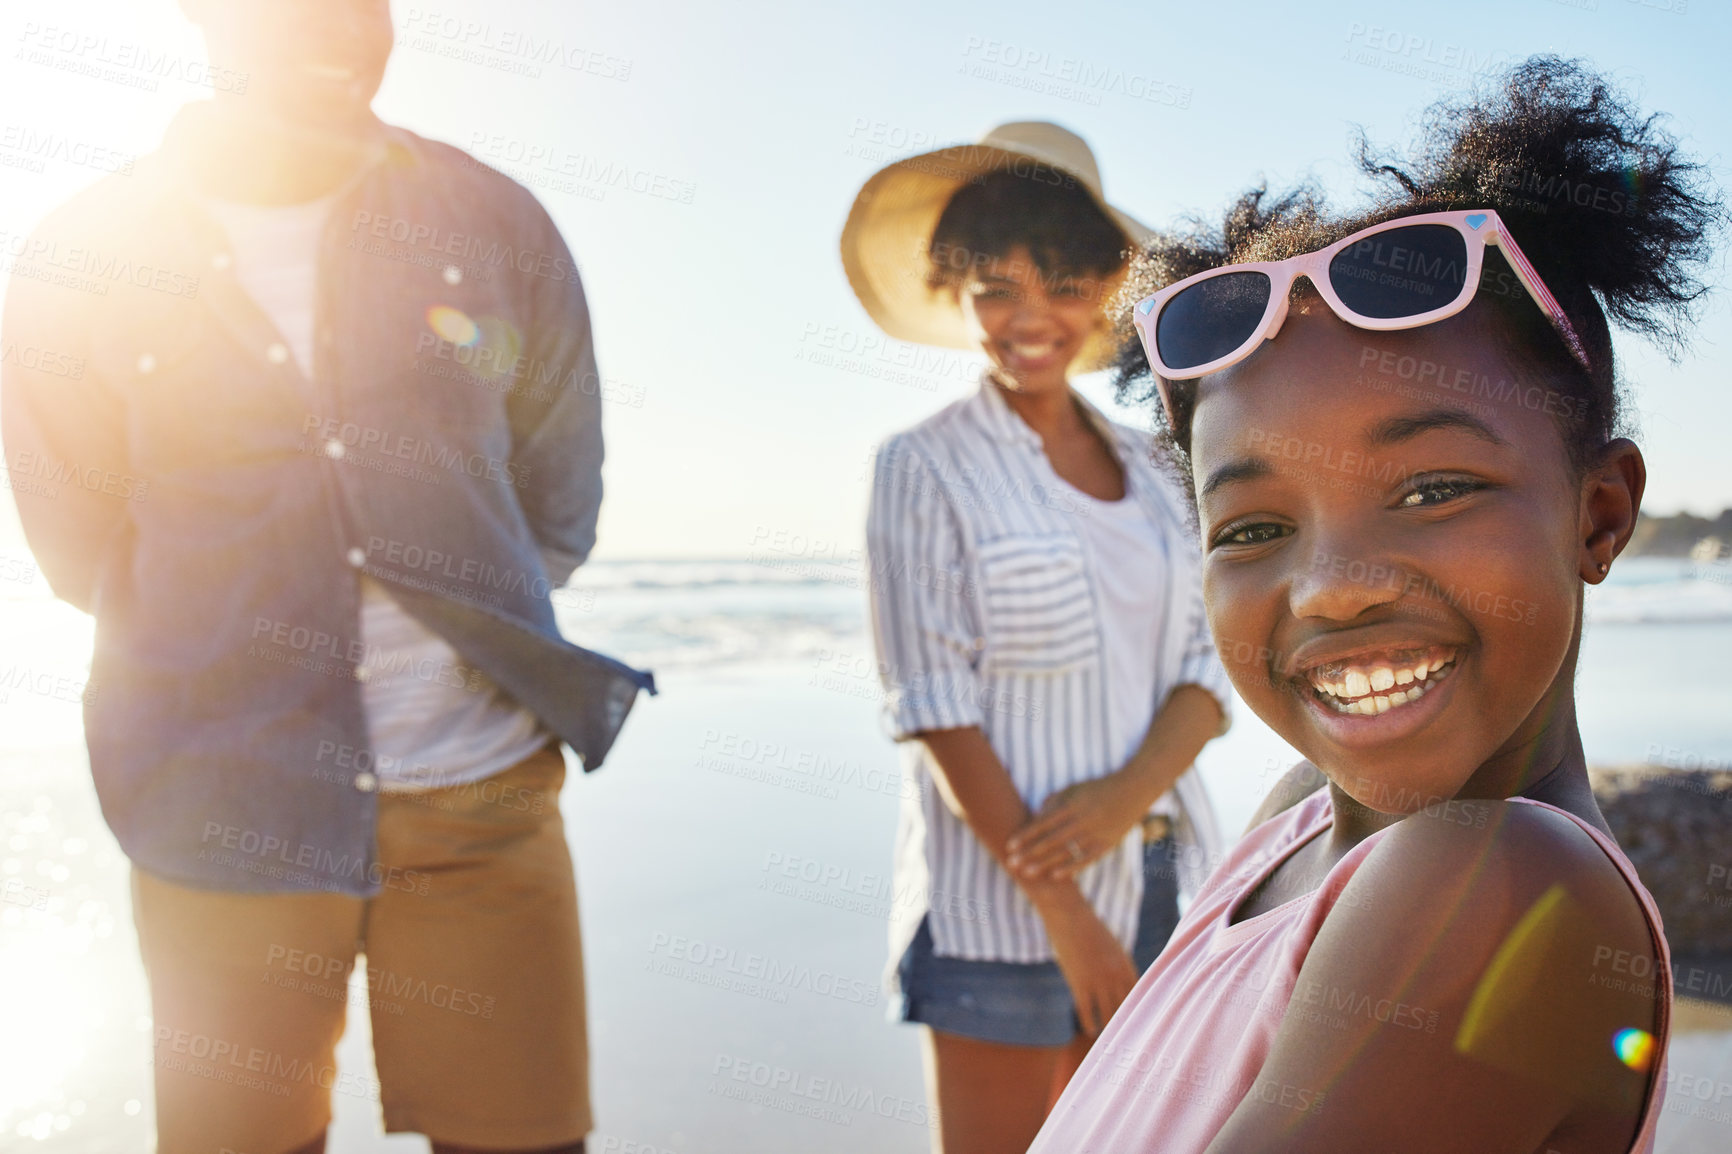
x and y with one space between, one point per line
733 859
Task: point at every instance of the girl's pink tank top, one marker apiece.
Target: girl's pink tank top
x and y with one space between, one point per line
1191 1038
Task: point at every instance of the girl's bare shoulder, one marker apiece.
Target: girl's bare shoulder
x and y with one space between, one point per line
1508 849
1473 987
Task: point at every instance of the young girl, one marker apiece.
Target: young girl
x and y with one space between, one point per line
1401 433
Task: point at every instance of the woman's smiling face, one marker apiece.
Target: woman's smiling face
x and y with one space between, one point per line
1029 323
1393 550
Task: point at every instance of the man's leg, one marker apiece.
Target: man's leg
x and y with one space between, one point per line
475 968
248 993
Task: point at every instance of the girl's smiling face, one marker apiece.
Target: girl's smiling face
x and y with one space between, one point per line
1394 549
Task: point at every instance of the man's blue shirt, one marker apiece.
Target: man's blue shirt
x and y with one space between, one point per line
180 478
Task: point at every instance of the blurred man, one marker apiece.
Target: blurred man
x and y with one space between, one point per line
337 438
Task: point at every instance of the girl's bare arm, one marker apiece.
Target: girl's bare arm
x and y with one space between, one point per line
1463 995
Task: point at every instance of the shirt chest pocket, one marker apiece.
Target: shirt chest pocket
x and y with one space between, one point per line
1037 604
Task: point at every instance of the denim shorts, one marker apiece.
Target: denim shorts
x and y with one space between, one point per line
1022 1003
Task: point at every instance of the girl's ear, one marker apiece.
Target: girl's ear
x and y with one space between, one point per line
1611 499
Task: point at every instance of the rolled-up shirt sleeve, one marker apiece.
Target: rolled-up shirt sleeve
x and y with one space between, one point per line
1202 664
557 431
924 621
61 420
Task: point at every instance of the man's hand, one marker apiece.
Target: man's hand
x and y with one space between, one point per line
1074 828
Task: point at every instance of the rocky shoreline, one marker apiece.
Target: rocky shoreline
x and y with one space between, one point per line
1676 828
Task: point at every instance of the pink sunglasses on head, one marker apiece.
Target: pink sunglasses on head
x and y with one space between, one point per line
1401 274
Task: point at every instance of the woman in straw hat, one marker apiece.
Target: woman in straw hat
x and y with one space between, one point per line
1038 616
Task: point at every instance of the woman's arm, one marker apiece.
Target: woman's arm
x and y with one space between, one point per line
977 788
1462 995
1094 816
925 623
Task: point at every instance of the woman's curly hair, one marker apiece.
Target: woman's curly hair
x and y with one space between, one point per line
1615 219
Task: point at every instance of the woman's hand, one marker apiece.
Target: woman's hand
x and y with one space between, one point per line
1074 828
1095 966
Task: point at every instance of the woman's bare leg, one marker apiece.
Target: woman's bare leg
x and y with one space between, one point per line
991 1097
1069 1059
317 1146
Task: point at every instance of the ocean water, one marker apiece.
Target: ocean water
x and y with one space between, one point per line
719 981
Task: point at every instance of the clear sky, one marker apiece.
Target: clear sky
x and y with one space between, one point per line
716 148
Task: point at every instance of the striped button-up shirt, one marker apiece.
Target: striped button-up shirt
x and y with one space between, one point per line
986 612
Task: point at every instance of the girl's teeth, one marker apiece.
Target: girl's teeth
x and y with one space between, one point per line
1368 694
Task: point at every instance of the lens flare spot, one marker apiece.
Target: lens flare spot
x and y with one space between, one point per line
1633 182
453 325
1635 1048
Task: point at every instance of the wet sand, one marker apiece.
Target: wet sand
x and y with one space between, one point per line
735 1005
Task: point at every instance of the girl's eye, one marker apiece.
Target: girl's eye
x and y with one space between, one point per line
1254 533
1429 493
994 292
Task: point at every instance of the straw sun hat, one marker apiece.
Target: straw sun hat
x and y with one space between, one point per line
885 240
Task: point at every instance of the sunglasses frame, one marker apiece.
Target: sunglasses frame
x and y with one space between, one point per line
1478 227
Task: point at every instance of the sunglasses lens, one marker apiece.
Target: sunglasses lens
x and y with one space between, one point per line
1211 319
1403 272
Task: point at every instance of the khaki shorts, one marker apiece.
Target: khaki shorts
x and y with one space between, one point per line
474 974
